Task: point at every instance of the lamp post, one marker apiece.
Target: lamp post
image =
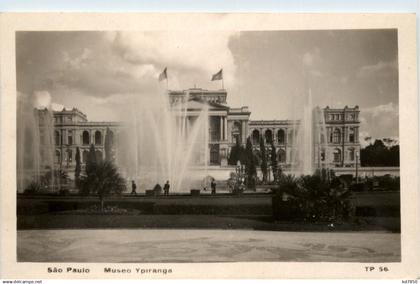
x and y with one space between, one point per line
357 167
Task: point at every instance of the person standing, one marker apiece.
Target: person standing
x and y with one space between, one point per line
133 187
166 188
213 186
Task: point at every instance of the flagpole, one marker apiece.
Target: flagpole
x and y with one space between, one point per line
223 84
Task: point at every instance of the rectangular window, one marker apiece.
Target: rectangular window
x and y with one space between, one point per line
69 156
351 155
70 138
337 157
351 135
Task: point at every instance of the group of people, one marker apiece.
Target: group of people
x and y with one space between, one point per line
166 187
157 188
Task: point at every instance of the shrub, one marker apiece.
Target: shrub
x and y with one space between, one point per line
33 188
315 198
103 179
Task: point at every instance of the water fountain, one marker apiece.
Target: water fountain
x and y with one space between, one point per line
160 142
309 138
35 144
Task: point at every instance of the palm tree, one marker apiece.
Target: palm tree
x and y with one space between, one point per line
102 179
315 198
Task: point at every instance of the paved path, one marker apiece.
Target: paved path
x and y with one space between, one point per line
138 245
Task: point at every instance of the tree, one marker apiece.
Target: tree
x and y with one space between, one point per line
263 159
102 179
78 165
91 158
250 168
234 154
394 152
274 166
237 153
380 155
109 144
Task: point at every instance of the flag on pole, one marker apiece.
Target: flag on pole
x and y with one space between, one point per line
218 76
163 75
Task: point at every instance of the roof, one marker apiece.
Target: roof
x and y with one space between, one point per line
199 104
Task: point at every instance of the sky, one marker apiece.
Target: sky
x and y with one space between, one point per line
271 72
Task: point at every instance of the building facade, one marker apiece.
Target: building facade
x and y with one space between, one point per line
335 145
71 130
335 141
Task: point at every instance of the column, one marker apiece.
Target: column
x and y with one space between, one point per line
221 128
229 127
243 131
64 136
188 125
347 134
275 135
225 128
328 135
76 138
356 134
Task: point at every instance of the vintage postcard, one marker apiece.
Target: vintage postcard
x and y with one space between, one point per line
195 145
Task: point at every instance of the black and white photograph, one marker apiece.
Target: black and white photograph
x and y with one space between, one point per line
277 145
209 146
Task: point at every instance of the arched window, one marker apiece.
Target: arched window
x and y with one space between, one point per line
268 136
255 137
351 135
98 138
86 138
85 156
236 132
98 155
336 136
280 136
337 155
281 155
69 156
57 157
57 137
351 154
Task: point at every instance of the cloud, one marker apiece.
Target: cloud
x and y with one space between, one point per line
311 61
102 64
379 122
196 54
98 71
79 61
382 68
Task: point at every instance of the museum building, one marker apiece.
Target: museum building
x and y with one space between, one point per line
337 146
